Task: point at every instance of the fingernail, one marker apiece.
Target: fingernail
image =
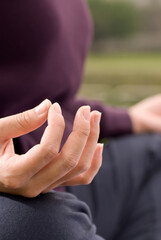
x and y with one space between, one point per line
86 112
97 118
100 149
57 108
43 107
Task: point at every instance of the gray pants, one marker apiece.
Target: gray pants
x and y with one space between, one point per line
124 199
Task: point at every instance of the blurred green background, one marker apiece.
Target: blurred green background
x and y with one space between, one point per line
124 65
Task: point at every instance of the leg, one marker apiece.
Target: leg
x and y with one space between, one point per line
124 197
53 216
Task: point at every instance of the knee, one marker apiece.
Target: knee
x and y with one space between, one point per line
50 216
25 218
37 218
133 160
139 151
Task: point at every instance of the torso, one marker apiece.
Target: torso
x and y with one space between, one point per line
44 46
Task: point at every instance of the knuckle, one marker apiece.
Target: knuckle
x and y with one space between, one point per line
83 167
71 161
94 134
23 120
49 152
83 132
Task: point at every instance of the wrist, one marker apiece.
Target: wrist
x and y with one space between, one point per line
136 121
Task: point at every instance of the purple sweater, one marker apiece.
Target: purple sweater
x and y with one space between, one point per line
43 47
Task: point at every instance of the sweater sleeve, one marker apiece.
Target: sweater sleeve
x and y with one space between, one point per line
114 121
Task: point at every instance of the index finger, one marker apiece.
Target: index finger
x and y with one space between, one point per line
40 155
69 155
22 123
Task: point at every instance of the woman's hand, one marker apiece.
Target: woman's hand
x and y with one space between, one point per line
44 166
146 115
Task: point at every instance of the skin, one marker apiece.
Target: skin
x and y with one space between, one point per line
44 166
146 115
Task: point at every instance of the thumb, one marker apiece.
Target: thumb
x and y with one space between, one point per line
22 123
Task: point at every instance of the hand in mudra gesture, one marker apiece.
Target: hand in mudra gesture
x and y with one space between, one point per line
146 115
44 166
